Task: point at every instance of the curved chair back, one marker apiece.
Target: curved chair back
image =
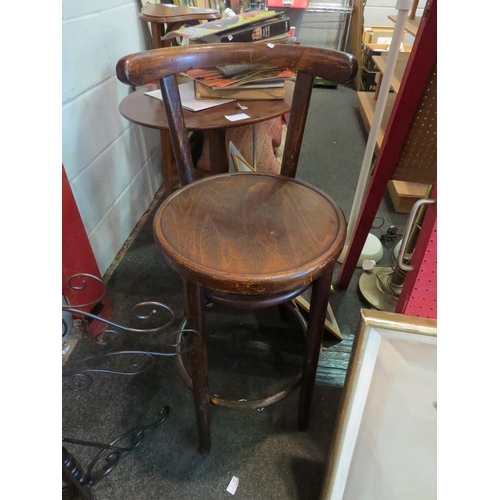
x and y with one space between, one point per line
164 64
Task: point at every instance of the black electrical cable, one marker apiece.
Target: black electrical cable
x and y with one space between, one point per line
378 227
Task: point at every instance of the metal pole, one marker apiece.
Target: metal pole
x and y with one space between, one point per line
403 6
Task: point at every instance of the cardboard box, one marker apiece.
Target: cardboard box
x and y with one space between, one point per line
405 194
376 49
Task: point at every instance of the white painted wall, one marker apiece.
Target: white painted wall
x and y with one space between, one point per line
114 166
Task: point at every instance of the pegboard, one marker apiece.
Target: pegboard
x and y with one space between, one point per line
418 159
423 298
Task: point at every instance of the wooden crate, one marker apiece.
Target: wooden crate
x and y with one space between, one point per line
405 194
377 34
376 49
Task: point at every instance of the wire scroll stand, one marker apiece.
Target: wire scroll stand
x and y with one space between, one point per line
111 453
139 360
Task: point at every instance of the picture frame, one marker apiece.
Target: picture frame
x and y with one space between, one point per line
385 438
331 324
237 162
241 165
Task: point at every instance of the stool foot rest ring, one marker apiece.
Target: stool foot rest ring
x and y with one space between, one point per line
243 404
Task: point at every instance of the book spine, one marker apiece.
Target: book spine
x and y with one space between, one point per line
256 33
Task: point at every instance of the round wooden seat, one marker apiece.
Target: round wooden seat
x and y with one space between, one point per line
250 233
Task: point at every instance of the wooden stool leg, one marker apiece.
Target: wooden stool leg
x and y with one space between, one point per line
199 363
219 162
315 328
170 176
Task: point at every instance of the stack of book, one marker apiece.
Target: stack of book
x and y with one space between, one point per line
252 26
240 82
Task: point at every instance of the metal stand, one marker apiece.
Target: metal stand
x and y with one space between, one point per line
111 453
382 286
136 362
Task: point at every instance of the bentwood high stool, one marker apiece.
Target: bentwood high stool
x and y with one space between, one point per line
247 239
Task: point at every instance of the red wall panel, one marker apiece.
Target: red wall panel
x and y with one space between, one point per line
78 257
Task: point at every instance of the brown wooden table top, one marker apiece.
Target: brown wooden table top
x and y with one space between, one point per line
150 112
160 13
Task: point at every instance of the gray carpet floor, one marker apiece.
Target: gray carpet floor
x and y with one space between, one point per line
251 354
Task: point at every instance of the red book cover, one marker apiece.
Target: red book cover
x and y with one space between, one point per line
293 4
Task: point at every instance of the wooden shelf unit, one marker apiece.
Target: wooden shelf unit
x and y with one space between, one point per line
368 100
399 70
411 24
403 194
367 109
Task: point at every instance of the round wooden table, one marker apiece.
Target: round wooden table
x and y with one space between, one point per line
173 17
150 112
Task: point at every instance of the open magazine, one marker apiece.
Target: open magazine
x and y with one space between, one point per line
223 24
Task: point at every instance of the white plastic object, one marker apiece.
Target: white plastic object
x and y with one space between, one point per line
233 485
368 265
404 4
372 250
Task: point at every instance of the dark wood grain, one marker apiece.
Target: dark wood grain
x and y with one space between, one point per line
145 67
157 31
169 167
199 363
149 112
219 161
180 141
254 301
250 233
315 327
297 122
161 14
